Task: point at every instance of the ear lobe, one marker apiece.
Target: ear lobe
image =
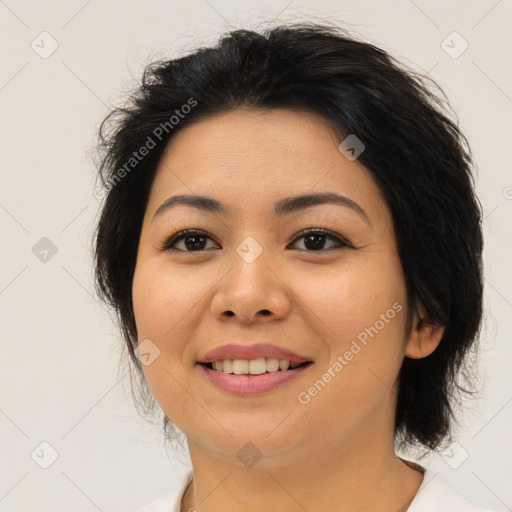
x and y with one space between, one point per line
424 339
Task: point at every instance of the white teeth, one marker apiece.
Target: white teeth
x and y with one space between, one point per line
272 365
240 366
253 366
284 365
257 366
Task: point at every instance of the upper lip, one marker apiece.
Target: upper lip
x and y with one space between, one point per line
255 351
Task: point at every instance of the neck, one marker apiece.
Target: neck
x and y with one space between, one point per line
364 474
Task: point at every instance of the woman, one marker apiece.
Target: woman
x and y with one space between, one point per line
292 243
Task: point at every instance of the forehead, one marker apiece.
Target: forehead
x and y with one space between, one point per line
253 158
248 136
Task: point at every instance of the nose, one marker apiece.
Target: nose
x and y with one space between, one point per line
251 292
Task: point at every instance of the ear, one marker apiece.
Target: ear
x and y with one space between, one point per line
424 338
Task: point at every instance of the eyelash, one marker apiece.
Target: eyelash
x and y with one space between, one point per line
166 243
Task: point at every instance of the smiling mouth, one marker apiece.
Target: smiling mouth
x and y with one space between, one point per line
253 366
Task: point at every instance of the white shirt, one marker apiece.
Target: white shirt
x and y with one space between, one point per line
434 495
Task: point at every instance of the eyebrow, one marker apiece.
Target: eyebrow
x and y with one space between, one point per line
283 207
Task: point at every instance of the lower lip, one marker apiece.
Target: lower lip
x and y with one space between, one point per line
247 385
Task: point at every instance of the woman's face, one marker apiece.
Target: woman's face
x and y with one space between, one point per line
250 276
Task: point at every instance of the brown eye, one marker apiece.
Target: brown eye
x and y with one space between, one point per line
315 239
193 241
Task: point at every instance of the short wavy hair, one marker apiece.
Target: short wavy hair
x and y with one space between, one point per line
418 156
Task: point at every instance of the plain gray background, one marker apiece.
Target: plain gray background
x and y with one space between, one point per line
59 377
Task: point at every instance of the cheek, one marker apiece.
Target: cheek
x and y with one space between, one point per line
166 306
352 301
359 313
158 308
161 300
356 387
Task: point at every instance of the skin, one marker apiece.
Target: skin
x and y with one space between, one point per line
335 452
